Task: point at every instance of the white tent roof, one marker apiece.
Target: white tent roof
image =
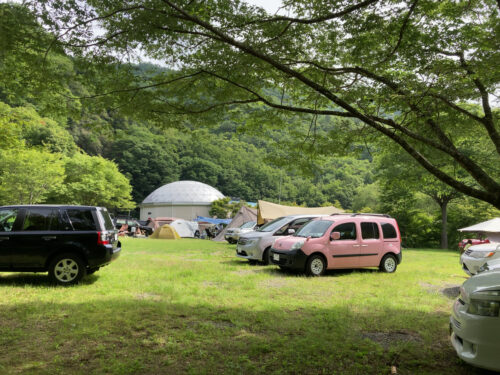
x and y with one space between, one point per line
490 226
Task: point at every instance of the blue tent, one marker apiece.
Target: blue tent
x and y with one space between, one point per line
213 221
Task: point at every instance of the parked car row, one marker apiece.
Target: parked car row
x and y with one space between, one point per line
475 319
315 243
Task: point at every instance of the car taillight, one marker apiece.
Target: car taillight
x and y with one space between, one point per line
102 239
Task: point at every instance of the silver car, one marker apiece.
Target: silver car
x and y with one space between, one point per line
255 246
475 321
476 256
232 235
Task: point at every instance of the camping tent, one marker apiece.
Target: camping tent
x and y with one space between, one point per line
242 216
269 211
490 228
165 232
185 228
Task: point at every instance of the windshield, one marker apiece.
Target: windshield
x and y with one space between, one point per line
314 229
248 224
273 225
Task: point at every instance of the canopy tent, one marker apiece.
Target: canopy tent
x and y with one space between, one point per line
490 228
242 216
165 232
269 211
212 221
492 225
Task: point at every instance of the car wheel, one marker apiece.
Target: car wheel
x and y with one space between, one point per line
266 257
231 241
66 269
316 265
388 264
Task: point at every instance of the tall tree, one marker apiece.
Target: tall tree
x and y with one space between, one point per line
28 176
396 66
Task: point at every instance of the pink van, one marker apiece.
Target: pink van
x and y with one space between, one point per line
341 241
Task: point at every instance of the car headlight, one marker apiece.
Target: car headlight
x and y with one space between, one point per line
297 245
481 254
485 303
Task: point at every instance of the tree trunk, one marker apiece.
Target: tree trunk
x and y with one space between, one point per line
444 224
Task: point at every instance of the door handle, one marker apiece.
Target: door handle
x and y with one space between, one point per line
355 245
364 245
47 238
4 238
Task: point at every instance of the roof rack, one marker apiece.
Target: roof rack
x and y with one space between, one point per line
362 214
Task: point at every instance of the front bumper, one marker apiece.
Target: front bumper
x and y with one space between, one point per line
475 338
293 259
471 265
250 251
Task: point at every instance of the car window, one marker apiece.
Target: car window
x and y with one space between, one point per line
369 231
347 231
108 223
41 219
273 225
389 231
81 219
7 218
248 224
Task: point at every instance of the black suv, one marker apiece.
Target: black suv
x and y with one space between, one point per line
67 241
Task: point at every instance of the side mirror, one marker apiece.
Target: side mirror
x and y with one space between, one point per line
291 231
335 236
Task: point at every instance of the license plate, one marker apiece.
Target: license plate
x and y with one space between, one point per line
276 257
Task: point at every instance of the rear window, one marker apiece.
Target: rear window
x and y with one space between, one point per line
369 231
389 231
81 219
108 223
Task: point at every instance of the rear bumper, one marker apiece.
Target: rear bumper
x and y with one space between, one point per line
294 259
400 257
109 254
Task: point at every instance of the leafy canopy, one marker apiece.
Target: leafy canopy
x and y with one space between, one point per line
398 67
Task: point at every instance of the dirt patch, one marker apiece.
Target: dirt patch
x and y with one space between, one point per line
274 283
386 339
148 296
449 290
244 272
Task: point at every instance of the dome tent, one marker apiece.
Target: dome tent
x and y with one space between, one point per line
181 199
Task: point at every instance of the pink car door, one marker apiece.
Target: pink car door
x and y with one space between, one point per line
344 252
371 245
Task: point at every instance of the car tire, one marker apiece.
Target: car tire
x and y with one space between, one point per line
231 241
316 265
66 269
266 257
389 264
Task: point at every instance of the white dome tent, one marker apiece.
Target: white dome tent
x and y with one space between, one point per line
181 199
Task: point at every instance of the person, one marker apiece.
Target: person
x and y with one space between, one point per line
466 247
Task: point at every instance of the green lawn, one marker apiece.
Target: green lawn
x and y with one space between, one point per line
192 307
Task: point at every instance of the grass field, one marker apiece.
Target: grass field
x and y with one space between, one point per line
192 307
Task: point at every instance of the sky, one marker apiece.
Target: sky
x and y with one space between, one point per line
270 5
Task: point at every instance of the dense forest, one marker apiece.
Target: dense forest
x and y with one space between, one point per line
60 143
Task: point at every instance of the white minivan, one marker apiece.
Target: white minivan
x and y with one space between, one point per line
256 246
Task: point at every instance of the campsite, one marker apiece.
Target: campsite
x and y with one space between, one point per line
190 306
249 187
